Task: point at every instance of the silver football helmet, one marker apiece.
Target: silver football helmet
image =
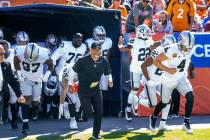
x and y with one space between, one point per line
22 38
31 53
168 39
51 41
186 41
51 86
1 34
143 31
99 34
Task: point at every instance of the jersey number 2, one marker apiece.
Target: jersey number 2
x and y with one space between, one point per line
143 54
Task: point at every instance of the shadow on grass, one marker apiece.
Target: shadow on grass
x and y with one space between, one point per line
133 135
56 136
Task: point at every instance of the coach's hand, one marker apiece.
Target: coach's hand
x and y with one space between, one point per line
21 99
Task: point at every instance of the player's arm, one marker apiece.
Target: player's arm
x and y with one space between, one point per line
50 65
155 45
148 62
17 63
158 63
64 90
59 52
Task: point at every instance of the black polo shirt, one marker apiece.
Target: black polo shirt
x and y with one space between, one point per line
89 74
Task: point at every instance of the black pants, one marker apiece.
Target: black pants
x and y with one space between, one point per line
175 104
96 100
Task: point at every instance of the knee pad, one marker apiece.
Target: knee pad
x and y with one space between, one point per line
131 97
189 96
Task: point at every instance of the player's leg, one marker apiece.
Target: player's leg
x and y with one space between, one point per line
36 96
72 110
185 88
132 97
151 100
26 87
165 93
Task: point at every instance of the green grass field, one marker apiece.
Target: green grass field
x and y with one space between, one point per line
199 134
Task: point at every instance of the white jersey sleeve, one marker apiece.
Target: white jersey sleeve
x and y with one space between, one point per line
59 52
154 54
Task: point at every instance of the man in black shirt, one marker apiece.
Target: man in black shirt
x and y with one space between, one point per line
89 70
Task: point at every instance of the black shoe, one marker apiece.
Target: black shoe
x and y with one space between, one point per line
187 128
25 129
128 115
14 126
152 123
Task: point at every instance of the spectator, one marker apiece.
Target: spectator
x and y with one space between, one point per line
197 26
200 7
158 6
98 3
163 24
207 27
116 4
207 18
181 13
142 10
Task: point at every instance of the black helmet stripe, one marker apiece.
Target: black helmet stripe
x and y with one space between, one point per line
189 38
23 36
32 51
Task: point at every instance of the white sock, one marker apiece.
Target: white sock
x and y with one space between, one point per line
165 112
162 123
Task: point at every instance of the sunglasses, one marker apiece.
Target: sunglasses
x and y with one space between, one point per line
146 1
116 0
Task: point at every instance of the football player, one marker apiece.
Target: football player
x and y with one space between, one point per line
50 89
174 61
152 80
22 39
28 62
139 50
69 98
99 35
68 52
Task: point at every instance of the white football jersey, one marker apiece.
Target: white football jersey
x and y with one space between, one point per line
176 59
10 59
139 53
105 46
66 73
154 72
32 71
67 53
